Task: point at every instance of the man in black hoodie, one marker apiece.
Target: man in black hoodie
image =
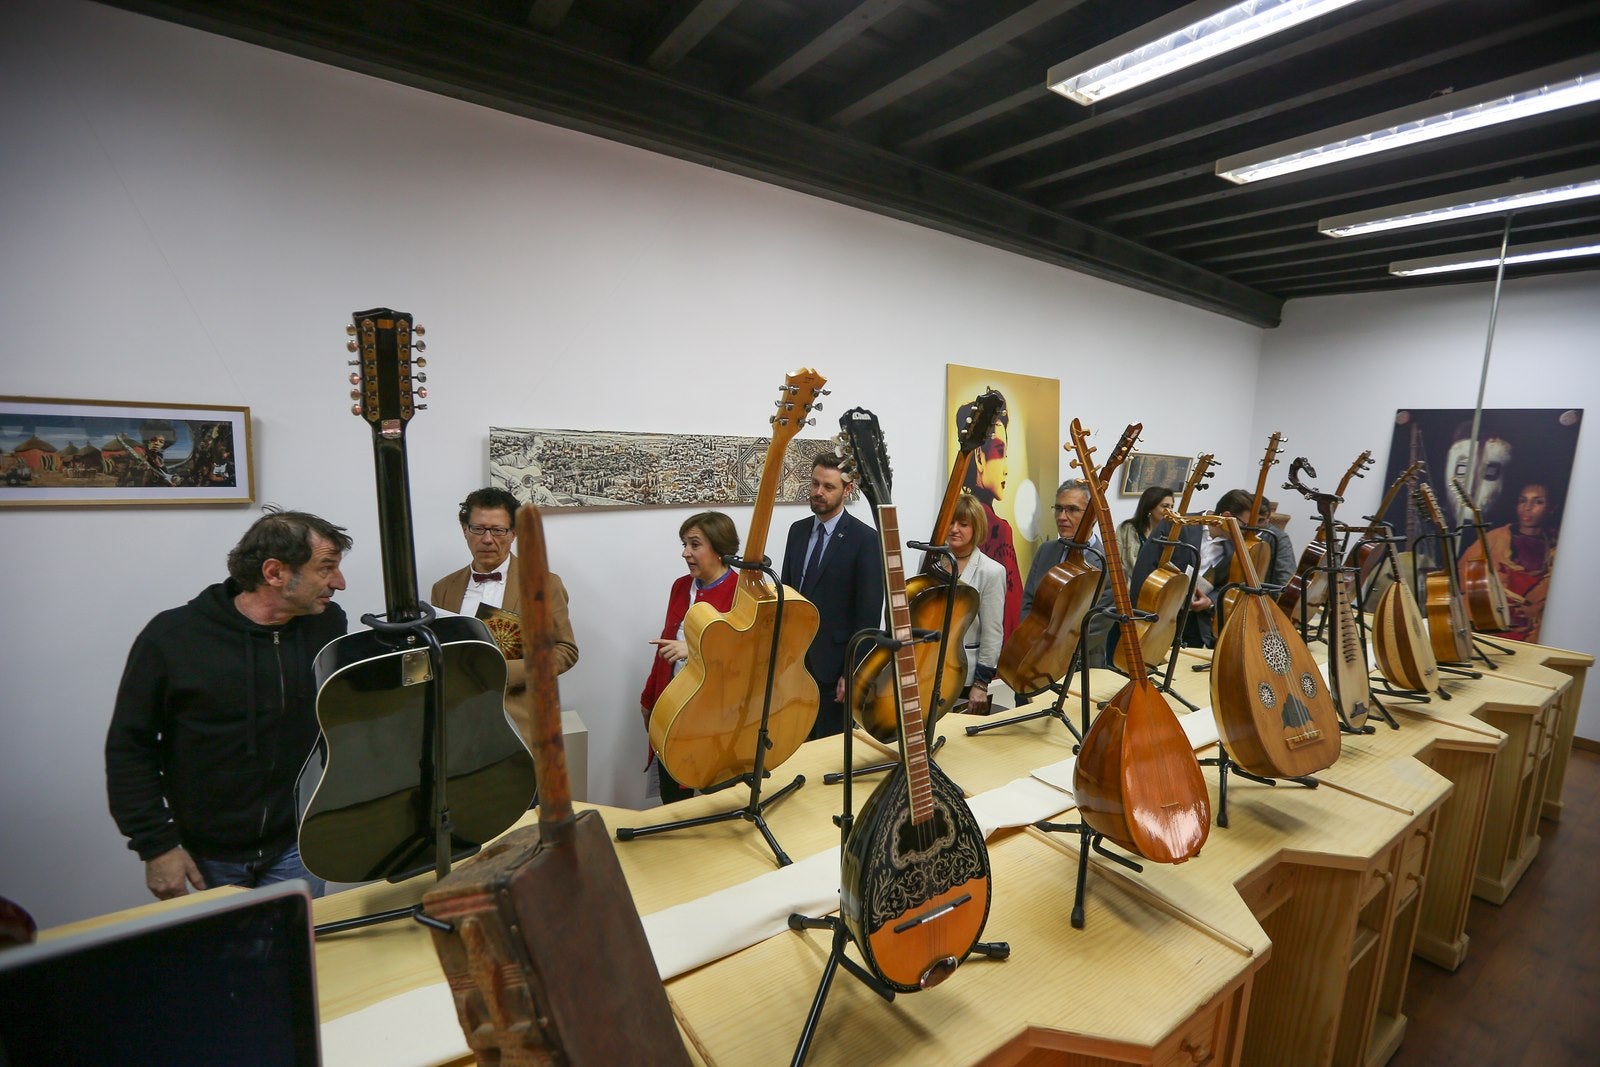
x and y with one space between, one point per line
216 713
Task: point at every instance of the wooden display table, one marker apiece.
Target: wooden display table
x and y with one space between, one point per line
1533 664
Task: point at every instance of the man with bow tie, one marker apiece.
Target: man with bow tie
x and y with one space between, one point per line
487 523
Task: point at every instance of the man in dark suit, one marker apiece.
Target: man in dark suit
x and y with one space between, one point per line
835 561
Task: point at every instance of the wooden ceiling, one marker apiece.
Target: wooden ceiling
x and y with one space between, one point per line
935 111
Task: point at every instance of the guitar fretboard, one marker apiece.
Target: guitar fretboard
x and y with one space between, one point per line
914 737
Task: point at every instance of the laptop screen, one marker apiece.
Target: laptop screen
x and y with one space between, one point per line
229 980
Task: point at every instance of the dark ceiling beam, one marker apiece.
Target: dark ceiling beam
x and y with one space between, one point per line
688 26
829 40
443 49
547 14
964 39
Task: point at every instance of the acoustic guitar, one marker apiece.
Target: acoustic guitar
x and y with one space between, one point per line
1309 580
1165 590
706 723
1041 647
1449 628
1399 637
1136 780
915 871
1480 578
382 699
929 596
1347 658
1273 711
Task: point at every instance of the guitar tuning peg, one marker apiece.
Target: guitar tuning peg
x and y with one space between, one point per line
355 394
422 377
355 379
809 422
422 392
352 363
422 407
355 409
350 329
824 392
351 346
419 329
420 346
816 407
419 363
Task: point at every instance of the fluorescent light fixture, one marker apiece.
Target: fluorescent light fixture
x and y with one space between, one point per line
1188 36
1532 253
1503 199
1550 88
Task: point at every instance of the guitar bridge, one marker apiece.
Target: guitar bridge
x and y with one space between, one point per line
1305 738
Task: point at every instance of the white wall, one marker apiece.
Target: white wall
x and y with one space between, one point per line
190 219
1335 372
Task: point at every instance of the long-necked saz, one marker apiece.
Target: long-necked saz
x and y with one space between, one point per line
930 596
1165 590
1449 628
1040 649
1136 780
383 698
915 870
545 954
1480 578
1309 581
707 722
1273 711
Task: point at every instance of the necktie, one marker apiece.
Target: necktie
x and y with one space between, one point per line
492 576
809 579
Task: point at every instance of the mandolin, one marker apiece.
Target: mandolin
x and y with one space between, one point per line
915 871
1449 628
1041 647
1309 580
929 596
1136 780
1399 636
1347 658
1480 578
706 723
1274 713
1165 591
372 814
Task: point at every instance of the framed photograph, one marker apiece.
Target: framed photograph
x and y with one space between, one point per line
1145 469
56 452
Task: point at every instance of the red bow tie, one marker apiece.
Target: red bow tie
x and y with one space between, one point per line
492 576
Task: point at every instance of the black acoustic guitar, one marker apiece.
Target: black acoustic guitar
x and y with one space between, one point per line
915 870
375 809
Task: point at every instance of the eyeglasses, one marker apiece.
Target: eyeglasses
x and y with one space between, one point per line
1059 508
495 532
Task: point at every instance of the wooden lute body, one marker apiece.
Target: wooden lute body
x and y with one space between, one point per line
1400 639
1165 591
1449 628
1480 578
706 723
1136 780
929 597
915 884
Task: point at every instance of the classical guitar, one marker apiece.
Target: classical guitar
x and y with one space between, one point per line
1165 590
1347 657
1274 713
1309 580
1399 637
1136 780
930 596
1449 628
1041 648
915 872
382 697
1365 556
706 723
1480 578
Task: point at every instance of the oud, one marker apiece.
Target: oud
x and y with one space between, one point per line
915 870
930 598
707 723
1136 780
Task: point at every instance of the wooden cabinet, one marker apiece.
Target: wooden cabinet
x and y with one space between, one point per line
1525 714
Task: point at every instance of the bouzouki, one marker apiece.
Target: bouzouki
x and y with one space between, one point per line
1273 711
1041 648
1347 656
382 699
929 596
1136 780
1165 591
542 946
707 722
1309 579
1480 578
1449 628
915 870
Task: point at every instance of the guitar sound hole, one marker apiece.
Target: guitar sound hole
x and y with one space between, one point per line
1276 653
1308 684
1269 699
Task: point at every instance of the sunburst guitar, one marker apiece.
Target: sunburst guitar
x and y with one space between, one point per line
915 872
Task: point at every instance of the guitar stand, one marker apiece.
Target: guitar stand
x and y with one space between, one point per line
1224 764
1088 838
440 831
754 811
835 777
845 820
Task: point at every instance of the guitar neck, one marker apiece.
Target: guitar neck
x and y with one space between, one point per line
913 734
755 544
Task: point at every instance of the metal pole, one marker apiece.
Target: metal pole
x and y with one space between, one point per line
1483 375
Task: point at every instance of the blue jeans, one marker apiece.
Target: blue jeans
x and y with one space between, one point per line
281 868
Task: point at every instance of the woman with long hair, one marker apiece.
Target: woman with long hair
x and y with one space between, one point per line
1155 506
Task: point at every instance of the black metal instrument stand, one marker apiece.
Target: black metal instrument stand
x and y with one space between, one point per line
433 769
845 820
1165 685
1225 764
753 811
